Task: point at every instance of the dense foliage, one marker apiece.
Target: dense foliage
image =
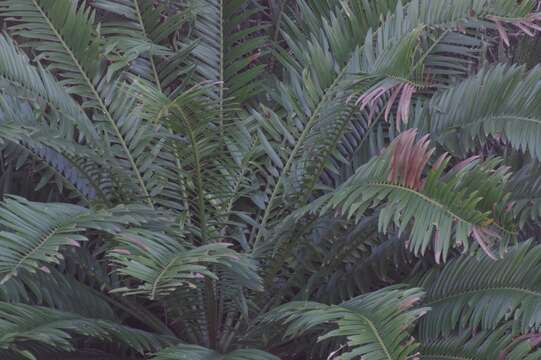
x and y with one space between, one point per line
261 180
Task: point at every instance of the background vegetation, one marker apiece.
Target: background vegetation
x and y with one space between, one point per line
261 180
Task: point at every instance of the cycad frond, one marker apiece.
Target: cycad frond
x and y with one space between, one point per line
58 291
164 264
484 345
507 288
194 352
227 53
313 98
138 28
440 208
375 325
34 233
63 33
501 102
25 328
38 83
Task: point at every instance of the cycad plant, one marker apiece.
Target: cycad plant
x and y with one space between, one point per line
261 180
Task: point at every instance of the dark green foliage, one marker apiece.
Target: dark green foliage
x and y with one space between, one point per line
269 179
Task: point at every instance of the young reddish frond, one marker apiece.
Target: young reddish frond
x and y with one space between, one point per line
527 25
408 159
400 94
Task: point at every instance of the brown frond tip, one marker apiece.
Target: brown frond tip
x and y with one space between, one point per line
408 159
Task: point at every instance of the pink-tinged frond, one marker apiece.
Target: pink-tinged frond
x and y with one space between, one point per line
461 165
408 159
528 25
137 242
401 93
122 251
502 32
441 160
404 104
74 243
400 146
392 99
483 235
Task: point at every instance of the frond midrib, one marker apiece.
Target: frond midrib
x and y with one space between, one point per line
100 102
145 34
378 336
311 121
43 241
422 197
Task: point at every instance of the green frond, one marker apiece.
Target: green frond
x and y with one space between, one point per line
443 209
193 352
375 325
484 345
58 291
525 189
228 48
26 328
479 293
164 264
500 102
34 233
313 97
36 82
204 167
65 35
136 31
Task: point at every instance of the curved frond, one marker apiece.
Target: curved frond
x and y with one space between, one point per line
440 208
58 291
25 328
500 102
194 352
63 33
508 288
34 233
375 325
163 263
485 345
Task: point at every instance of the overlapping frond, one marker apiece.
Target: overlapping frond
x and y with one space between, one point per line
417 40
34 233
163 263
500 102
445 209
27 329
57 290
375 325
228 48
480 293
484 345
29 81
65 37
139 32
194 352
